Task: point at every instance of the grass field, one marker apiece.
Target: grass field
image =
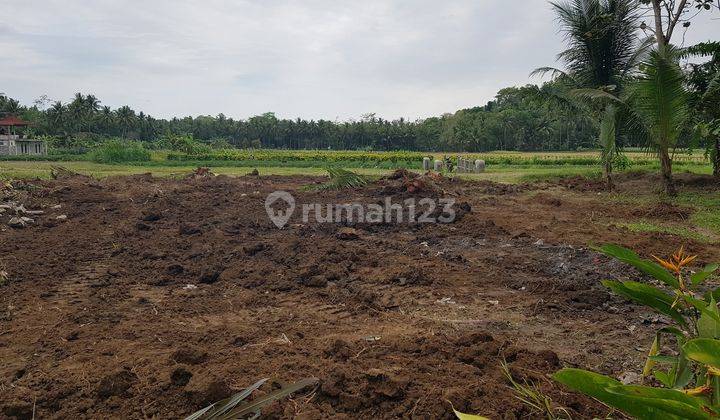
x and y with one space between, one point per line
499 173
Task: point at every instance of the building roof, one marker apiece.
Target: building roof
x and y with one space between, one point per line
12 121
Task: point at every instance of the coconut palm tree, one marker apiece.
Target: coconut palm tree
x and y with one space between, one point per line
604 49
126 118
56 115
657 102
704 83
660 99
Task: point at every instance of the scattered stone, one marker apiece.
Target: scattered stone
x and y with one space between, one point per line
190 287
180 377
628 378
116 384
142 226
62 217
16 223
446 301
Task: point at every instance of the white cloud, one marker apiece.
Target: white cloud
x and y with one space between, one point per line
310 59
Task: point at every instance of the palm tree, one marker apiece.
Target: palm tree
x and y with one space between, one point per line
658 105
106 118
704 83
660 99
56 114
126 118
603 51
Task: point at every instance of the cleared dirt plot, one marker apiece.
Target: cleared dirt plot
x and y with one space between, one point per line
141 297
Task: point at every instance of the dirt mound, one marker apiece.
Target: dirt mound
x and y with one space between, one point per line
405 183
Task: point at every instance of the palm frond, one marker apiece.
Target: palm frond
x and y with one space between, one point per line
217 409
660 98
595 94
341 179
229 408
555 73
703 49
713 89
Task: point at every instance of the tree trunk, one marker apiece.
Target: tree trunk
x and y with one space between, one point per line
716 159
666 168
659 33
607 174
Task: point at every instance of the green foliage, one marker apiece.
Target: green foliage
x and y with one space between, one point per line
183 143
341 179
643 403
696 360
118 151
659 97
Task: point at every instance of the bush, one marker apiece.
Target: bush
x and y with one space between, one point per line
116 151
690 372
185 144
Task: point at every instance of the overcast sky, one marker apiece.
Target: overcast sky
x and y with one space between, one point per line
311 59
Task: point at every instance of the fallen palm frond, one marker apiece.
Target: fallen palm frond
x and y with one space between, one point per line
230 408
341 179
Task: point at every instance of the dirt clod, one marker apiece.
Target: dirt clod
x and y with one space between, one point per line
180 376
116 384
189 356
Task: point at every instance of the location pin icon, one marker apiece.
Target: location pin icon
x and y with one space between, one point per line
280 217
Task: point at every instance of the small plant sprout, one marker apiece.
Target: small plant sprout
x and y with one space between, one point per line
690 375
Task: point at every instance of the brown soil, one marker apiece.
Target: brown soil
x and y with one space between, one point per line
156 297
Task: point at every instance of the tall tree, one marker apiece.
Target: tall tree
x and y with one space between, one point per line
603 51
660 99
704 82
668 14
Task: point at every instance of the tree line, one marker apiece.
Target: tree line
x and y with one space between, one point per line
519 118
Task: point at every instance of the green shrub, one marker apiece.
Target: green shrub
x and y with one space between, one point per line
690 373
117 151
184 144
